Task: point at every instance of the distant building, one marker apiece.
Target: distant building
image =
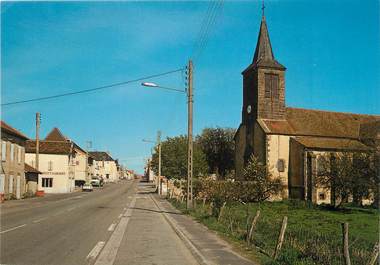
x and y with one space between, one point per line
290 140
12 174
61 162
104 166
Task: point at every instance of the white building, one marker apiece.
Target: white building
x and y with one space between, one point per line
61 162
104 166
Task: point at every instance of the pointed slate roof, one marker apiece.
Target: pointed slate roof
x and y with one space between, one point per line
56 135
264 56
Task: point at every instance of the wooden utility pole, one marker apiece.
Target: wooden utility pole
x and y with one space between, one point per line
190 137
159 161
38 120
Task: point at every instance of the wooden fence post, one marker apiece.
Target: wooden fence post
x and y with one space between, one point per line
375 254
204 201
221 211
210 208
281 237
346 253
253 226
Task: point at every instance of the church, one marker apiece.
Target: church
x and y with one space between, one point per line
288 140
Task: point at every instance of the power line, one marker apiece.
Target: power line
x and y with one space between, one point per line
91 89
208 22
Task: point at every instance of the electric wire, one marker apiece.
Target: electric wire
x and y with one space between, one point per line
91 89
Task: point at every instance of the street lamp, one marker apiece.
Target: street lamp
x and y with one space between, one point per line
159 190
189 93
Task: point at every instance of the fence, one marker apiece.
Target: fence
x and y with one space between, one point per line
285 240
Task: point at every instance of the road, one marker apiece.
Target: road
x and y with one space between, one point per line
118 224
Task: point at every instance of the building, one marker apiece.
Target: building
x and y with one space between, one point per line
104 166
12 175
61 162
289 140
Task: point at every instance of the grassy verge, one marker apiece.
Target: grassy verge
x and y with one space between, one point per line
313 235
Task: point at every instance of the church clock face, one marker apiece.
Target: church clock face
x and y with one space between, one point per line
249 109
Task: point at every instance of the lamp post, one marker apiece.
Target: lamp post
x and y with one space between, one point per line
159 160
190 101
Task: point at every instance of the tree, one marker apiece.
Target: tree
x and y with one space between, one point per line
218 146
261 184
174 158
347 174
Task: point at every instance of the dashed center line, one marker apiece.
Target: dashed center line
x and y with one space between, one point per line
95 251
39 220
112 227
13 228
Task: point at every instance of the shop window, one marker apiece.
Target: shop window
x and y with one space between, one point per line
47 182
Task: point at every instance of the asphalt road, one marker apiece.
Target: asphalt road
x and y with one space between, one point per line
118 224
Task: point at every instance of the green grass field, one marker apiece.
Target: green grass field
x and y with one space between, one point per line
313 235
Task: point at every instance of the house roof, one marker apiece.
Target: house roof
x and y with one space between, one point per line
306 122
49 147
325 143
30 169
100 156
56 135
13 131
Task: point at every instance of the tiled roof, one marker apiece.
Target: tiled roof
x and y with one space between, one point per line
56 135
30 169
100 156
49 147
324 143
12 130
306 122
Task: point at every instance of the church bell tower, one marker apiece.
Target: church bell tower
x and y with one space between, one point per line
263 82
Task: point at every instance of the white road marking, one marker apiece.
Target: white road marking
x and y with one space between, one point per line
13 228
39 220
108 255
95 251
112 227
70 209
120 215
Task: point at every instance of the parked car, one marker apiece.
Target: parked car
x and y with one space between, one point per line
87 187
97 182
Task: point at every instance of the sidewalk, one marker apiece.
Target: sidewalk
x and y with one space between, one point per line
204 244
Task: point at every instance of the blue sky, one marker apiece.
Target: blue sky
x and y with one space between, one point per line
330 49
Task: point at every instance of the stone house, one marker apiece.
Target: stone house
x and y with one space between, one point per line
289 140
12 175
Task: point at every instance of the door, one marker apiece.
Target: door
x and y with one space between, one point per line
18 187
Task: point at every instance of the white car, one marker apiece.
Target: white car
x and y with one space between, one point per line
87 187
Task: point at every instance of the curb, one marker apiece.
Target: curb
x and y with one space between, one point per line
201 259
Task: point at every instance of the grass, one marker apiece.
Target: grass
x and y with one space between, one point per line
313 235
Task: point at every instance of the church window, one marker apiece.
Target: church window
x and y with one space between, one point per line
271 86
281 165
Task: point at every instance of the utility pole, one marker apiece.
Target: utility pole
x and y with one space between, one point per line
159 161
38 120
189 201
88 146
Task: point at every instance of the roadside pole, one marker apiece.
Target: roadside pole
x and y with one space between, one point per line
38 120
189 199
159 161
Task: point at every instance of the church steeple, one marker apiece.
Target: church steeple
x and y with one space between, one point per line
263 47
